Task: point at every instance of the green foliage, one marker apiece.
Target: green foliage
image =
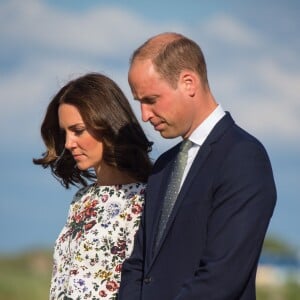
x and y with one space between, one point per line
276 246
289 291
26 276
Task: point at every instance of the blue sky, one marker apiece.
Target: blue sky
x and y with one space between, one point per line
252 51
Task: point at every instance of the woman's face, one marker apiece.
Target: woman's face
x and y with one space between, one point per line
86 150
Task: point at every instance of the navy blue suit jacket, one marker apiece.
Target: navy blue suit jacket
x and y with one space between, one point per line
213 239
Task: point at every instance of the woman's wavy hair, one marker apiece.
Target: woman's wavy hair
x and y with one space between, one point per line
109 118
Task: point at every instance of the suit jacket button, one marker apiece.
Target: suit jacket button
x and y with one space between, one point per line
147 280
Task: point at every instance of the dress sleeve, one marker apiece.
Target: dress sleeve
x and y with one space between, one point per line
133 219
132 269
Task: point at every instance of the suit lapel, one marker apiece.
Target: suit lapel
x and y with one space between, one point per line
156 190
200 158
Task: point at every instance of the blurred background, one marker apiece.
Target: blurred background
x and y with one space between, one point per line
252 52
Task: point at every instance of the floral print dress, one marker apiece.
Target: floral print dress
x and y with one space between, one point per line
98 236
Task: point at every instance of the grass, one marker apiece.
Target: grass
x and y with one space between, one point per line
27 277
289 291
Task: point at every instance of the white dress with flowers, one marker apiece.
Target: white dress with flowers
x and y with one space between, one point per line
98 236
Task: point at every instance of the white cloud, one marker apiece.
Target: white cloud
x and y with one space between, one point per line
47 47
102 30
231 31
255 76
284 83
253 70
264 99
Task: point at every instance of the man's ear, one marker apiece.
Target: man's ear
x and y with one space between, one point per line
188 81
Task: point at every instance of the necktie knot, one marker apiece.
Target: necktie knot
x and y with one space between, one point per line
185 145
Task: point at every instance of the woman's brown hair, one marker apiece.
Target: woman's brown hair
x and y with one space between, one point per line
109 118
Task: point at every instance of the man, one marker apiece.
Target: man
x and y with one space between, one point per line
208 244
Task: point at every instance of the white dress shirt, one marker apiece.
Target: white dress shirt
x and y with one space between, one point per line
200 134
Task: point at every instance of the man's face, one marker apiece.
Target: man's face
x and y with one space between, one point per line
165 107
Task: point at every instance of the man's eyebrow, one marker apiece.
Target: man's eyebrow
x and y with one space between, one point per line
147 98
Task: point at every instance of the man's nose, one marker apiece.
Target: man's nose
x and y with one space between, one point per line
146 112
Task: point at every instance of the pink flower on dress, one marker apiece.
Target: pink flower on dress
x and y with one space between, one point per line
104 198
111 285
118 268
89 225
90 209
102 293
136 208
78 218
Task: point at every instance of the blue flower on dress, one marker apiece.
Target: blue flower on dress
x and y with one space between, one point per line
80 282
113 209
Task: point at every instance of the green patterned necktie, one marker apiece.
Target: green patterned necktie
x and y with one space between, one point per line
173 186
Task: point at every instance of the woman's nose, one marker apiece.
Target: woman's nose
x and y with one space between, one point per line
69 143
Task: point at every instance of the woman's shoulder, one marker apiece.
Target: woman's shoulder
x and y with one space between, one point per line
82 192
138 186
127 190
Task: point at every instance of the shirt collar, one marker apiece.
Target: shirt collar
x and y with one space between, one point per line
199 135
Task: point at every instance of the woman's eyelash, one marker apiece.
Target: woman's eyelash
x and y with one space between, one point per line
79 131
75 130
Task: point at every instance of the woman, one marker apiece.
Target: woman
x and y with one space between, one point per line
91 132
